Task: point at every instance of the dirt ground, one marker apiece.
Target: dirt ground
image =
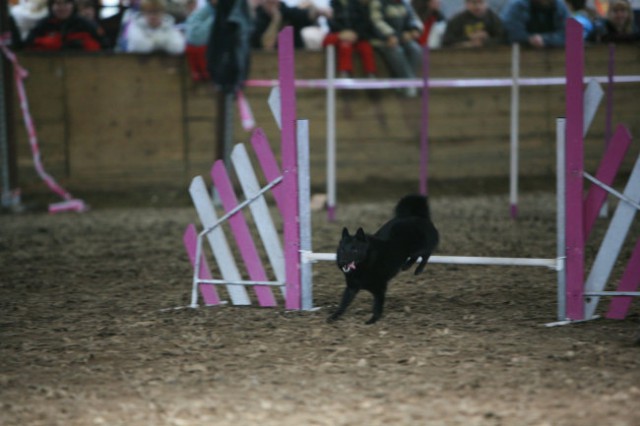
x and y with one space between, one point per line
85 337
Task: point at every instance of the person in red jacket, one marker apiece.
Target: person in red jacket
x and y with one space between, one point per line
64 29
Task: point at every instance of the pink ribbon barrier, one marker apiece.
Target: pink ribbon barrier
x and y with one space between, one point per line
246 115
69 205
20 74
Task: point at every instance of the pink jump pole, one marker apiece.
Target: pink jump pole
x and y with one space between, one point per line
574 57
286 61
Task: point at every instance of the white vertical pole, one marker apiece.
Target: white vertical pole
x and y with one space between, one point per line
561 216
306 283
331 133
515 112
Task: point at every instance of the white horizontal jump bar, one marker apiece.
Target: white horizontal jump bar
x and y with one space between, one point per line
613 293
396 83
247 282
555 264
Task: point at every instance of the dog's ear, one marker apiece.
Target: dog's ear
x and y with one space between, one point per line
360 234
345 233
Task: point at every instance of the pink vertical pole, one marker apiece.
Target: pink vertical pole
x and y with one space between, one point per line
424 125
286 61
574 57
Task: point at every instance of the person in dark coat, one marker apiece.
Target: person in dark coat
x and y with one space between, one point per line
64 29
229 48
476 26
536 23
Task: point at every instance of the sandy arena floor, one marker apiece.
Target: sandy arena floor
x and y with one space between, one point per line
84 339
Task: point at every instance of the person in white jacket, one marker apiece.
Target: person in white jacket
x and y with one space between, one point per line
153 30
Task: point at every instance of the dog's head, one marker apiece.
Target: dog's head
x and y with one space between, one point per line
352 250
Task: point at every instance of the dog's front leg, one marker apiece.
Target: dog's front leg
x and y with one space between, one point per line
378 307
347 297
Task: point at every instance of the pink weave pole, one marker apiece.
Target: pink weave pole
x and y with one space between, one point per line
286 61
574 57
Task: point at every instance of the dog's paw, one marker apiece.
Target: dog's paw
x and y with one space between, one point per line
371 320
333 318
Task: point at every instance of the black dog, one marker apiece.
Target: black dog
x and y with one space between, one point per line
370 261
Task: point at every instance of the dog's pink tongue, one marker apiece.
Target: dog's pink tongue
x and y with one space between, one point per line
349 267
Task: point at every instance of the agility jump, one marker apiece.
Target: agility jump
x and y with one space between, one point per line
290 188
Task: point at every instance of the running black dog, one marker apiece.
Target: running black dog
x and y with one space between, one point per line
370 261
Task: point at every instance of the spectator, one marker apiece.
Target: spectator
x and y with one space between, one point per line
180 9
273 15
89 10
588 18
397 32
619 26
197 30
15 39
433 22
153 30
477 26
27 13
536 23
63 29
351 29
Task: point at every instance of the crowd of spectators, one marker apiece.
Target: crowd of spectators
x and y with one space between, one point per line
397 29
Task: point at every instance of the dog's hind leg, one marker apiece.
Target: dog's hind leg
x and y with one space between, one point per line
409 262
423 263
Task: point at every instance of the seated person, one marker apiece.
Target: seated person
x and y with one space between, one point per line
89 9
588 18
536 23
477 26
197 30
397 33
63 29
153 30
433 21
351 29
272 15
26 14
619 26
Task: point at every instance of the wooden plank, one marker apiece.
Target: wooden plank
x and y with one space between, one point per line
259 210
150 133
612 242
241 233
630 281
218 241
609 166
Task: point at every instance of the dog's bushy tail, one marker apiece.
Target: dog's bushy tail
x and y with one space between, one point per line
413 205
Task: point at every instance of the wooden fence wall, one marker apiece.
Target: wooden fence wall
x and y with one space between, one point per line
125 121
